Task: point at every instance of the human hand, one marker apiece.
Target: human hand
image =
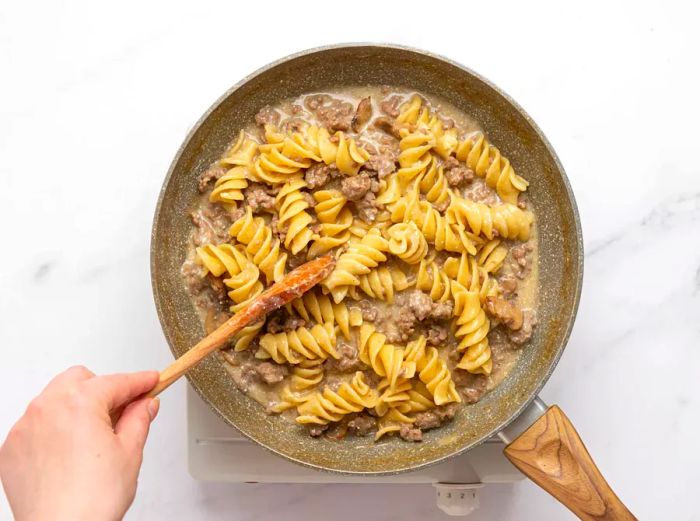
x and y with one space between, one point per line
75 455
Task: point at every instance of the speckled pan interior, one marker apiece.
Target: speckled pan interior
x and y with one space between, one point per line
507 126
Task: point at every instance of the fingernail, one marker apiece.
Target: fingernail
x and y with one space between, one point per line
153 407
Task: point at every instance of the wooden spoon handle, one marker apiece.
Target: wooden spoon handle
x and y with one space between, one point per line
552 455
293 285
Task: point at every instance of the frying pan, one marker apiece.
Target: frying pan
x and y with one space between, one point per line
542 442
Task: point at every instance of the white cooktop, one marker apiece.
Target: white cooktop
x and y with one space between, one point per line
218 452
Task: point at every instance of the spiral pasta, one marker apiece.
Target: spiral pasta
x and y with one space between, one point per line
259 241
392 396
432 371
330 406
292 206
385 359
319 308
242 152
434 185
486 161
472 326
336 221
407 242
469 274
242 282
381 283
491 256
357 260
229 187
431 279
305 378
437 230
300 344
509 221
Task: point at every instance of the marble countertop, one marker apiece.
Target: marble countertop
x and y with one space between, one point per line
96 98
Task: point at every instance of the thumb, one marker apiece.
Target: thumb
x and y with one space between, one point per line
132 427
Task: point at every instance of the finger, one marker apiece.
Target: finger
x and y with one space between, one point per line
132 427
116 390
77 373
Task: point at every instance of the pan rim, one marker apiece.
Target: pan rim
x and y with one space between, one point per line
578 261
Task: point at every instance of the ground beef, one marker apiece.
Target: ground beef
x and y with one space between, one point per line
436 335
362 425
309 199
366 207
355 187
410 433
442 310
218 288
279 321
369 312
332 381
456 173
508 284
332 113
212 173
504 311
362 114
402 325
276 229
267 116
390 106
348 361
317 175
271 373
291 125
317 430
471 386
420 304
294 261
435 417
212 223
524 334
257 197
383 162
521 259
478 192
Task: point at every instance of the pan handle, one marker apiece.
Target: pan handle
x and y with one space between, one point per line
544 445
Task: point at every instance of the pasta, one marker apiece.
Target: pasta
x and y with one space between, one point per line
433 280
293 217
434 250
385 359
321 309
469 274
381 283
407 242
229 187
305 377
358 259
331 406
432 371
472 328
336 222
436 228
242 152
486 161
293 347
259 241
509 221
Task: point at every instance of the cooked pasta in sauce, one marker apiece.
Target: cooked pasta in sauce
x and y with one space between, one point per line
435 287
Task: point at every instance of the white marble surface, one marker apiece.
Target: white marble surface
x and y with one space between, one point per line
95 98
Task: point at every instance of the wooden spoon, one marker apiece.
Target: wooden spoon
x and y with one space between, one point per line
293 285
